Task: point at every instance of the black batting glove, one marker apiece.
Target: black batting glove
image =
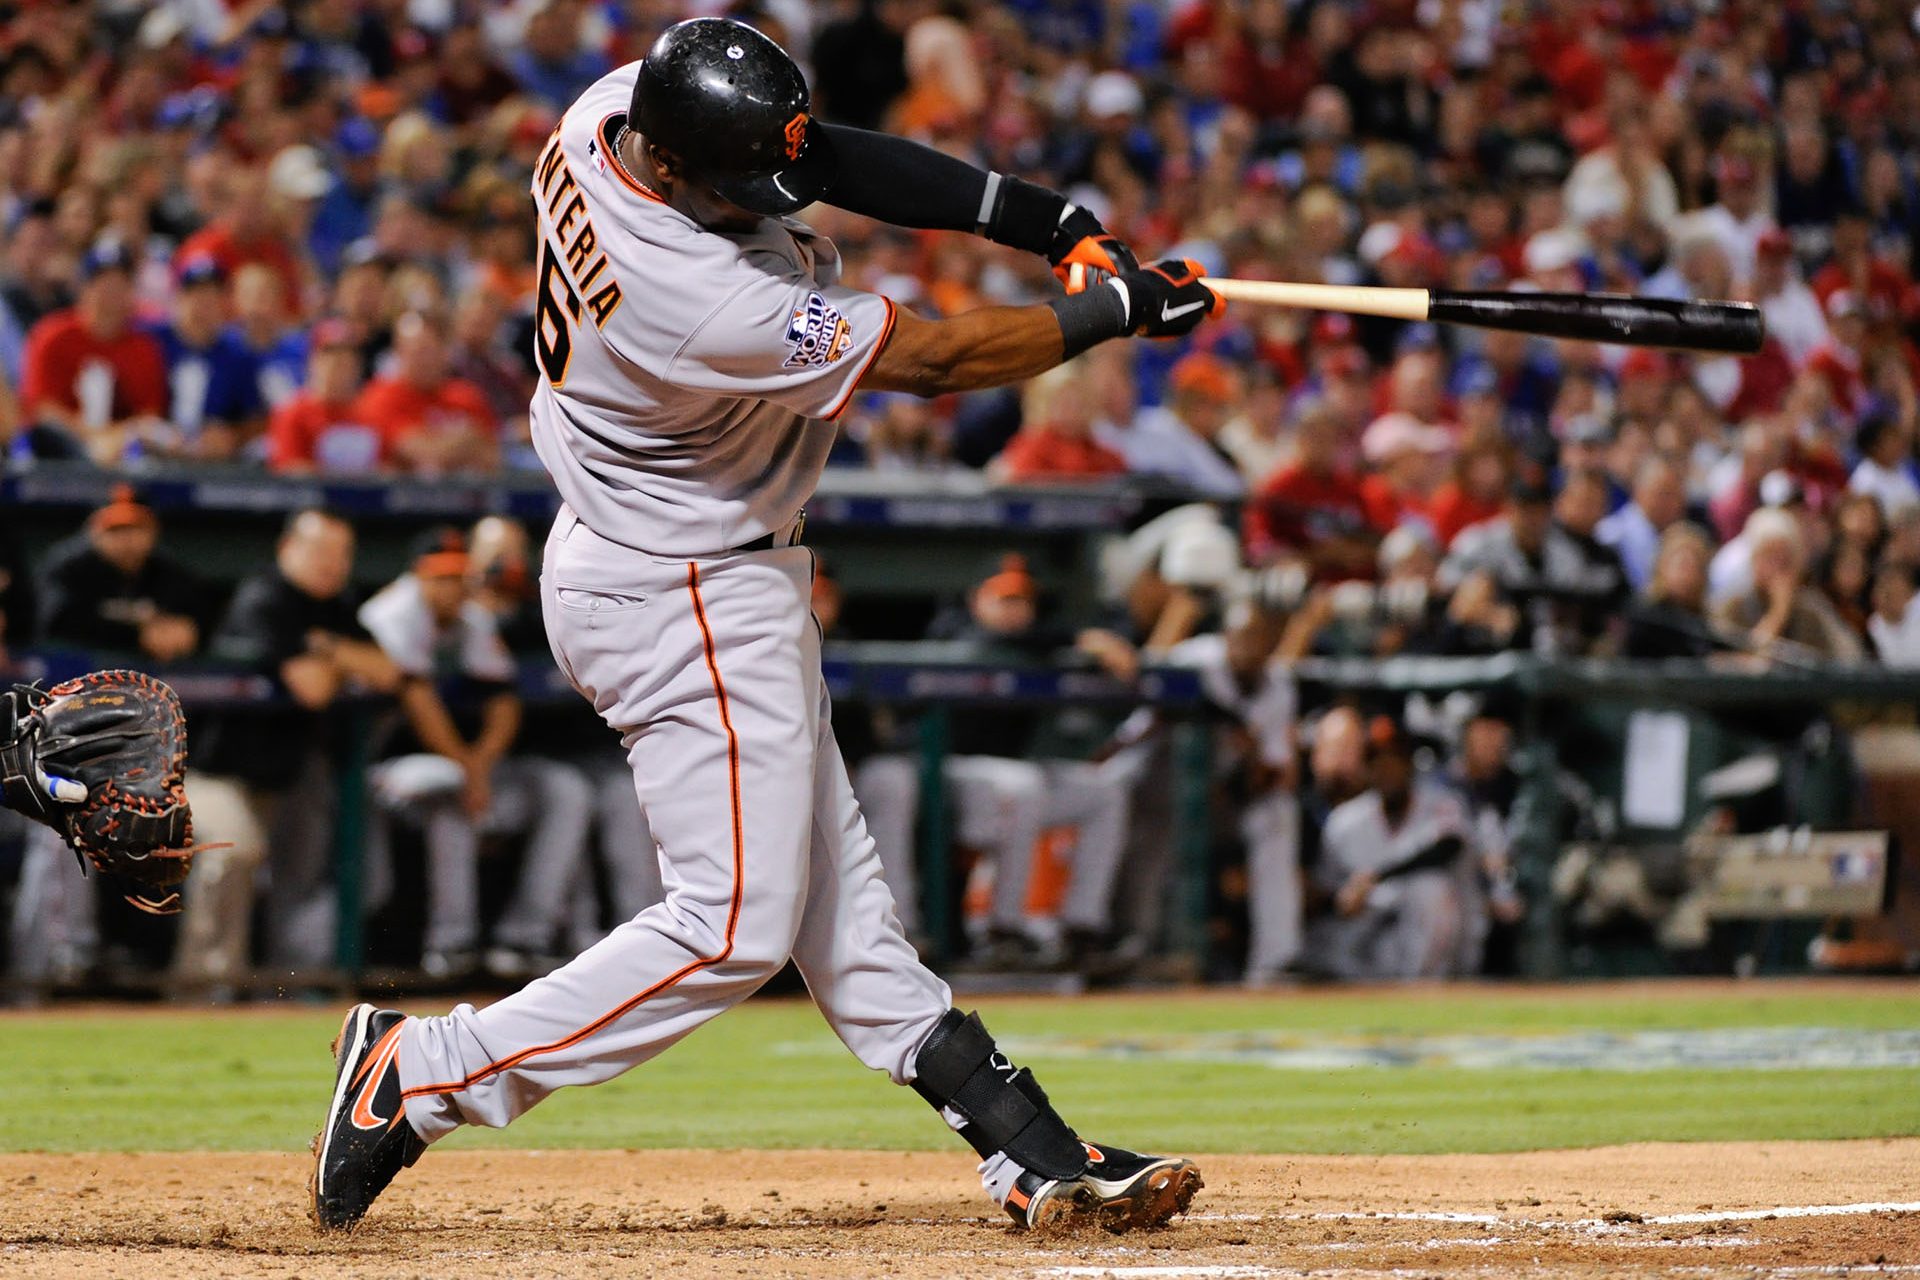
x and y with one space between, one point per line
1166 299
1084 253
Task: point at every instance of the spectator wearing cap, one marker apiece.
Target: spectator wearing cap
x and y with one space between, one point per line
259 780
1855 267
1642 383
429 421
455 773
345 212
1587 443
1885 469
552 62
93 383
1634 530
213 380
1742 173
1525 377
110 588
317 429
1841 359
1180 439
1312 507
1406 459
1393 860
244 230
1055 441
1792 310
1781 614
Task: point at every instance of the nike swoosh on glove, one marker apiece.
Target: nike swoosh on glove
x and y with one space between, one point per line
1166 299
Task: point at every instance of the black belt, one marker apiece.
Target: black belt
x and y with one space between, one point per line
791 536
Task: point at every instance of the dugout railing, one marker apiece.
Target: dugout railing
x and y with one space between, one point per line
1571 716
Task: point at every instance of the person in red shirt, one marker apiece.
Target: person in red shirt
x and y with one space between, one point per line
1880 286
1482 474
1840 359
244 232
429 422
92 383
1056 440
1311 507
315 429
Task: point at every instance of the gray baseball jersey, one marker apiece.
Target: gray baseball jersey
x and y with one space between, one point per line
686 370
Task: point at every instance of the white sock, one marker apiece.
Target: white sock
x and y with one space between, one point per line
998 1173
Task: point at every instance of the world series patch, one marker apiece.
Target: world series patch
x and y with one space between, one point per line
818 334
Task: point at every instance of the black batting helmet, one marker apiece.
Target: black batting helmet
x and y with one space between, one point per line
732 105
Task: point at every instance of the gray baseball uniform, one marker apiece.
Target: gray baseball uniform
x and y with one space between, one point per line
1410 926
685 374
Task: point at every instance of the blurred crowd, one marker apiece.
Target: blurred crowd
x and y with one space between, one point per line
294 236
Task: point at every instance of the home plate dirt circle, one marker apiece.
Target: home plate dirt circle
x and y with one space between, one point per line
1694 1209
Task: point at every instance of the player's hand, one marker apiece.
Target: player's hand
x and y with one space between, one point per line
1084 253
1166 299
1353 895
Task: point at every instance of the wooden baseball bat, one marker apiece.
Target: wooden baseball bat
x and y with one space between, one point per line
1734 327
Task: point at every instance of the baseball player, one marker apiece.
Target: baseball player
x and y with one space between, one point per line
695 345
1391 859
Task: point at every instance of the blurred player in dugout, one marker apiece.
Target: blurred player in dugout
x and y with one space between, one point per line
453 772
1004 798
259 778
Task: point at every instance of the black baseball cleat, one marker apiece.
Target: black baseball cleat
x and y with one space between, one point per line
366 1139
1121 1191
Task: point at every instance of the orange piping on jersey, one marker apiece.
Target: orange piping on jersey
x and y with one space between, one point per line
619 170
893 313
733 914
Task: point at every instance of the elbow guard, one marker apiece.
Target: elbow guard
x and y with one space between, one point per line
999 1107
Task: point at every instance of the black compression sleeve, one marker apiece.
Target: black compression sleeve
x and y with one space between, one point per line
901 182
909 185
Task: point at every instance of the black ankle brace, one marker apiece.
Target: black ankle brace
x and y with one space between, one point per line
1003 1107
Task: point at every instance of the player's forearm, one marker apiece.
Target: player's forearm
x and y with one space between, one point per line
427 717
985 348
499 726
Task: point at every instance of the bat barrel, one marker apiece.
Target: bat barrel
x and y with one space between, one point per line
1734 327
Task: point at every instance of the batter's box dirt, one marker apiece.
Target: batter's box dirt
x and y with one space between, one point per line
1792 1209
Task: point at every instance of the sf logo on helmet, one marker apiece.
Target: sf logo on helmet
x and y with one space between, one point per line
796 132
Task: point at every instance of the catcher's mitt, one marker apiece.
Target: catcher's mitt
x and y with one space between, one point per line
100 759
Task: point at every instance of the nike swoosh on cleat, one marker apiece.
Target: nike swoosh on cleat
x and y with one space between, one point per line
375 1067
1174 313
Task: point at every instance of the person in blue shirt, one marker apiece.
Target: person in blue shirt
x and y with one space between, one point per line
213 387
550 63
345 213
260 323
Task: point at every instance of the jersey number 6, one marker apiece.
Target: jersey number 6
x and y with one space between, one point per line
558 309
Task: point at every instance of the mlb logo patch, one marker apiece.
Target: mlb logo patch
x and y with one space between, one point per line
596 156
818 334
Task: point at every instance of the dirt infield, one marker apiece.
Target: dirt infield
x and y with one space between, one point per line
1698 1209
